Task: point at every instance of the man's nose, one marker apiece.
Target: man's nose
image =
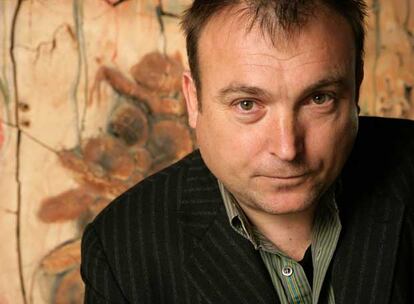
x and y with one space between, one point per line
285 140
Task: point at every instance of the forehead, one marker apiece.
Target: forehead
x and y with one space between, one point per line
228 42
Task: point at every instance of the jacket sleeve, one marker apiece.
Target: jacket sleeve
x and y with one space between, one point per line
100 283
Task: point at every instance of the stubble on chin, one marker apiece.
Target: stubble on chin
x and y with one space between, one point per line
282 199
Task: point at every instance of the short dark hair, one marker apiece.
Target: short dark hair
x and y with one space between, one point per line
287 15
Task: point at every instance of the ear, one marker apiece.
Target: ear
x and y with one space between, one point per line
190 95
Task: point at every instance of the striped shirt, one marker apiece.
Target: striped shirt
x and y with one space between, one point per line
288 276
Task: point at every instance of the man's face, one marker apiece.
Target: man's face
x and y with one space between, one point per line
277 123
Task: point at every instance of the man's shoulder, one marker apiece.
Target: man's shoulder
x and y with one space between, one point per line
382 158
386 128
157 193
384 140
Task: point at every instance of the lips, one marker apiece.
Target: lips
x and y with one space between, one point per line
287 176
283 175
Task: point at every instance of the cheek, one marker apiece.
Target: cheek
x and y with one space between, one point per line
213 141
212 134
219 133
227 148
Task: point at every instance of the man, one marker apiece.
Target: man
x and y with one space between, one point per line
286 201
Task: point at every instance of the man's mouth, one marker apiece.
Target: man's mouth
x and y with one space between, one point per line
288 180
285 176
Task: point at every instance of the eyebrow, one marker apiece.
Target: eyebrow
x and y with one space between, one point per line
338 81
237 88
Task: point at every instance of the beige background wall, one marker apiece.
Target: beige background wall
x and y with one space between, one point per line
90 103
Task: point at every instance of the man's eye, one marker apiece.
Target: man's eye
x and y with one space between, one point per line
321 98
246 105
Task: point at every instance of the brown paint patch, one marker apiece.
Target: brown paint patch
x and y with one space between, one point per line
91 176
130 124
25 123
70 289
65 206
110 155
119 83
62 258
135 178
157 83
168 106
83 172
170 141
160 76
105 186
24 107
143 159
158 73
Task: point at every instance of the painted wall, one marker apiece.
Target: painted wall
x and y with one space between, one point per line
90 103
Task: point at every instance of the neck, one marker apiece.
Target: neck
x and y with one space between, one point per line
290 233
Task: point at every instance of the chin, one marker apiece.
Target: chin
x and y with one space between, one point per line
287 204
284 201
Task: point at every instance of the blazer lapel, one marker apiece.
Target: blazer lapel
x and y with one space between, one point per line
221 265
365 258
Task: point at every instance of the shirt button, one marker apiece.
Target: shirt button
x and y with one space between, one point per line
287 271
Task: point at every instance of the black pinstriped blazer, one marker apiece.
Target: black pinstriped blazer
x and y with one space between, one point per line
167 240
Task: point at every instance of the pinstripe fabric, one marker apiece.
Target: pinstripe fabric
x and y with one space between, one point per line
167 240
294 288
377 188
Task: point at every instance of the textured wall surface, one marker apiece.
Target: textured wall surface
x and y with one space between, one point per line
389 63
90 103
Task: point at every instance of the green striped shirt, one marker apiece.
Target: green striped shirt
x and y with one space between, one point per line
288 276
